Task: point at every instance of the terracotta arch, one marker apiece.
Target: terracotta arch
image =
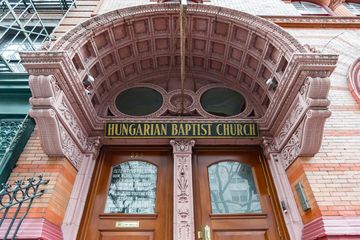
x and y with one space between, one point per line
138 45
130 47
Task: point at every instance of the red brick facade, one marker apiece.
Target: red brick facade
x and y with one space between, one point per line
34 162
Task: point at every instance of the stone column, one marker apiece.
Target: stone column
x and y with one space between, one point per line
183 190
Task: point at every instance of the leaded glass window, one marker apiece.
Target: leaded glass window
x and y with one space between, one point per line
308 8
132 188
232 188
222 102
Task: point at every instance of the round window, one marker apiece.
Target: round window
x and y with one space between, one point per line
222 102
139 101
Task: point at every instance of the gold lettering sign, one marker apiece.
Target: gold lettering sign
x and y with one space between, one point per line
127 224
181 130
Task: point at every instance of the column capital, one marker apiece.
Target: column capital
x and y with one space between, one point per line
182 145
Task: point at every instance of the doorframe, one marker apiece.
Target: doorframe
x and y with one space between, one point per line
274 200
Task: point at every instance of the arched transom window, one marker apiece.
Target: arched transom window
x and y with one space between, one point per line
308 8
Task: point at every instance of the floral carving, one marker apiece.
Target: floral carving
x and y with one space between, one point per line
290 121
183 194
292 149
70 150
72 122
182 145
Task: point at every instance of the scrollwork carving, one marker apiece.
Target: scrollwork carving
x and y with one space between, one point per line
70 150
292 149
290 121
71 121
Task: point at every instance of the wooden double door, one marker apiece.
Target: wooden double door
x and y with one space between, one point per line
131 196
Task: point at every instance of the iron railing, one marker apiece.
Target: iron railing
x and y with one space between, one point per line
18 197
13 137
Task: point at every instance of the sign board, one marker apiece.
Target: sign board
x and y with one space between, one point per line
127 224
181 130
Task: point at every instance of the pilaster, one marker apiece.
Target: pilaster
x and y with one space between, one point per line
183 190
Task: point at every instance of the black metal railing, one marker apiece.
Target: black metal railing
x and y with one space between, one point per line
14 134
19 199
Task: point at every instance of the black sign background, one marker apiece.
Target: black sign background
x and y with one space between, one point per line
181 130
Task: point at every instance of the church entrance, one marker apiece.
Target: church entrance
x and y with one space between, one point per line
132 196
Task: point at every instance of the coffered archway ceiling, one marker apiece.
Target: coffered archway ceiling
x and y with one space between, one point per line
224 47
139 46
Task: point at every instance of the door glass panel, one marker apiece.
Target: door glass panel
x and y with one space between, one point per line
132 188
232 188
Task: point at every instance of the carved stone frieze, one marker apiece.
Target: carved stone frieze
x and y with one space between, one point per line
290 121
183 190
70 149
292 149
71 121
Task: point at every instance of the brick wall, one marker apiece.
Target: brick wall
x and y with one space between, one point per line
296 174
33 162
334 173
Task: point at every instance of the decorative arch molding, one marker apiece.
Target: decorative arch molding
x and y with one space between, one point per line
354 80
71 123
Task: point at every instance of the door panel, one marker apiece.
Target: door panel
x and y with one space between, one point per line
131 197
231 195
240 235
127 235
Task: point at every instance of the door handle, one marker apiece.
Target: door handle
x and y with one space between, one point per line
204 233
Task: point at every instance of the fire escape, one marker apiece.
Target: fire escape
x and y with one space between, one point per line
25 25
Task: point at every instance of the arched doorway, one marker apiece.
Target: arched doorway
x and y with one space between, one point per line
272 81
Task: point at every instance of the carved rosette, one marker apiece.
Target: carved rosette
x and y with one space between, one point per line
183 190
